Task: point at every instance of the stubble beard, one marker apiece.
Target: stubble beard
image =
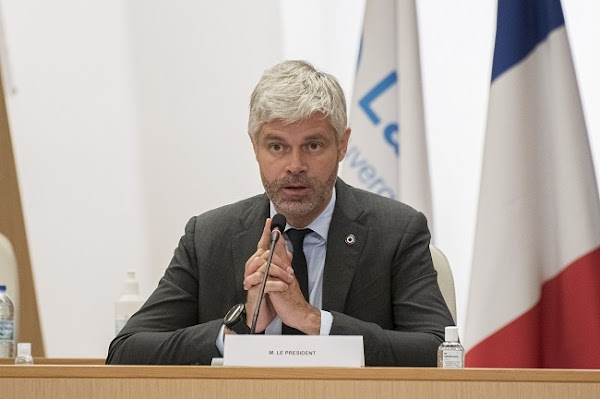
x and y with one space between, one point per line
304 206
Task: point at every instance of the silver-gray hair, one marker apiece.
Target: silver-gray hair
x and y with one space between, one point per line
293 91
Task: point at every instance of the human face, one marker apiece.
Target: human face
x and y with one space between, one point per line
298 165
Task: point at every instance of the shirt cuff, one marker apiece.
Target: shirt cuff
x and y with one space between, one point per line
274 327
326 322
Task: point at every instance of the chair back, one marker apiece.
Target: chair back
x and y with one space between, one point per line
445 279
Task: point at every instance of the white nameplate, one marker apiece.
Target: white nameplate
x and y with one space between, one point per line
294 351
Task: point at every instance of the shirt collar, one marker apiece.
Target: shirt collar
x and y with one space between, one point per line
321 224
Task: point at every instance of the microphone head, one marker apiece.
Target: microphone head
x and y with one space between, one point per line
278 222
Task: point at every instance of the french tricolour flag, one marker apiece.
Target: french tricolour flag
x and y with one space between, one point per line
387 153
535 288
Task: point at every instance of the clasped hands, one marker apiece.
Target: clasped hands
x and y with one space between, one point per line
282 295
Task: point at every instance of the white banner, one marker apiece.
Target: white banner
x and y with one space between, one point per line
387 154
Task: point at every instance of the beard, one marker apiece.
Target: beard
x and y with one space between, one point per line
300 206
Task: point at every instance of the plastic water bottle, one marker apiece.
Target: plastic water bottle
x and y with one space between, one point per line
451 354
7 325
129 302
24 353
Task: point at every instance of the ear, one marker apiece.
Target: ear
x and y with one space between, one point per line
343 146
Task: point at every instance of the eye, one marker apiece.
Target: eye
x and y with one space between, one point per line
275 147
314 146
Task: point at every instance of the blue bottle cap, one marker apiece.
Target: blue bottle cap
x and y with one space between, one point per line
2 288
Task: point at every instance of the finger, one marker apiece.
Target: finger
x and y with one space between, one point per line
259 252
257 278
283 262
284 273
280 270
253 280
265 238
275 286
253 264
278 257
281 249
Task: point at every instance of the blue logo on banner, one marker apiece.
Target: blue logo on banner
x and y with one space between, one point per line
367 173
390 131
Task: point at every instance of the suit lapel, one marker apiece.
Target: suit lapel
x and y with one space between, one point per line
342 256
243 243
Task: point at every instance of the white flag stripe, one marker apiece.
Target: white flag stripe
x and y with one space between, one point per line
538 209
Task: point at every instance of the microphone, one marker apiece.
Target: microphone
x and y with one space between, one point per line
277 226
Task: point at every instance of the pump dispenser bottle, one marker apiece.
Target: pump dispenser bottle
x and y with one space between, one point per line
129 302
451 354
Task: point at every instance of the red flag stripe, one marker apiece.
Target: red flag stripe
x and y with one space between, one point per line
561 331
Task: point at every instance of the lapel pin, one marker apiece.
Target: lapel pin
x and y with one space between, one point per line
350 239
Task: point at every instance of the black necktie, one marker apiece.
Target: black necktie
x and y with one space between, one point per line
300 269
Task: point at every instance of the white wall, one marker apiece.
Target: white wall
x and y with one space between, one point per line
72 121
456 63
129 117
195 65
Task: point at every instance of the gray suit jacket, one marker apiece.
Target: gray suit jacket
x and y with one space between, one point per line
383 287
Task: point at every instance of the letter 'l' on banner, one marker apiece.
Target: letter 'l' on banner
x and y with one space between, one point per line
534 297
387 153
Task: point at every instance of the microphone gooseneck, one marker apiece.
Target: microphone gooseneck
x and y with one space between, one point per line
277 226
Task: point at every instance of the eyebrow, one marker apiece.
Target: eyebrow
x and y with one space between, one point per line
273 136
270 136
317 135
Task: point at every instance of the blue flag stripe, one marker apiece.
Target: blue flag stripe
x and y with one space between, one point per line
522 24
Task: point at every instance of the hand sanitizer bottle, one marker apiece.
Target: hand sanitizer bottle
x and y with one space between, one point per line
451 354
128 303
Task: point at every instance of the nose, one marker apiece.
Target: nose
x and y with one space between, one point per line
297 162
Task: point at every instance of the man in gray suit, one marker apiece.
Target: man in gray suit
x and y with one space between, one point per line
362 266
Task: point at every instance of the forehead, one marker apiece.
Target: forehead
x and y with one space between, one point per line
314 125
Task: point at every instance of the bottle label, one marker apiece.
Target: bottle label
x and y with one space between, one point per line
7 329
453 359
119 324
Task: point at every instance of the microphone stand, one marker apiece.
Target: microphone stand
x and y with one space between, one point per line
275 234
